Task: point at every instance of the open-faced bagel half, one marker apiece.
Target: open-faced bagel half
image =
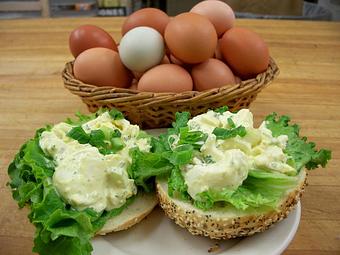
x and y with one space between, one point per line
133 214
226 223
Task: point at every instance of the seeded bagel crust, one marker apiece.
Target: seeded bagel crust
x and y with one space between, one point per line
230 223
133 214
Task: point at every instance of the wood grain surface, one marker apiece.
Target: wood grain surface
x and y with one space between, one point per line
33 53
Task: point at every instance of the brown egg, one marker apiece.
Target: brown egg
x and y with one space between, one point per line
245 52
89 36
101 67
191 38
237 80
167 51
165 60
176 61
210 74
133 85
148 17
218 53
137 75
219 13
166 78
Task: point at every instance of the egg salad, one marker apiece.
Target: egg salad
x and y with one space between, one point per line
230 160
85 177
74 177
220 159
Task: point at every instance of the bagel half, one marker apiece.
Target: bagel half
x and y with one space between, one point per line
228 222
143 204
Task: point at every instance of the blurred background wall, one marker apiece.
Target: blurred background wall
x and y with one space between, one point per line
273 9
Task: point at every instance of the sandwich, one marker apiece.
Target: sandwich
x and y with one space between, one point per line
73 176
215 174
219 176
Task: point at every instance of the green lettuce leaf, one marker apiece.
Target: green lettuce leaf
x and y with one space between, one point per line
180 156
61 246
181 121
176 185
302 152
260 189
60 229
146 166
160 144
188 144
242 198
100 220
164 141
164 160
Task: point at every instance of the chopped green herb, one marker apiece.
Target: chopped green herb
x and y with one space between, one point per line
107 141
231 123
97 138
194 138
108 132
208 159
115 114
223 133
79 134
116 144
221 109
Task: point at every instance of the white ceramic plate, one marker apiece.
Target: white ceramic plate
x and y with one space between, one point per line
159 235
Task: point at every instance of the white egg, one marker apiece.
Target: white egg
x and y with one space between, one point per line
141 48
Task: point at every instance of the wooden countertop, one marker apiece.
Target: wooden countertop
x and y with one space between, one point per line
33 53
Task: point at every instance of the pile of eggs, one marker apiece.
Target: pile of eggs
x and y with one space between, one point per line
196 50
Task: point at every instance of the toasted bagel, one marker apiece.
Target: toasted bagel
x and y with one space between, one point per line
228 222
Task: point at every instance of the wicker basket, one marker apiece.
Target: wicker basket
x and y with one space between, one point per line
156 110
